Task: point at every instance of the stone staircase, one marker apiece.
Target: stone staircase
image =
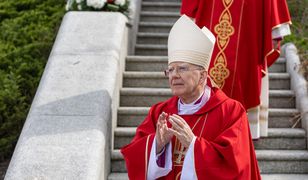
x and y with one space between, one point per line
282 155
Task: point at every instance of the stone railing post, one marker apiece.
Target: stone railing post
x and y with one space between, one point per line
298 83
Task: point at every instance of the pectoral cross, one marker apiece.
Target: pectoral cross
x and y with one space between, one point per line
179 153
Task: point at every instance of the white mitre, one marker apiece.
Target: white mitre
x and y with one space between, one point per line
188 43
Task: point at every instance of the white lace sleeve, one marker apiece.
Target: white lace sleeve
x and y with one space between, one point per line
281 31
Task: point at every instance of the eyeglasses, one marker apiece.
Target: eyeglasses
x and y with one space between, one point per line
180 70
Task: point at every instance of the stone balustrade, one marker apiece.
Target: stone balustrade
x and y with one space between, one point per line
67 134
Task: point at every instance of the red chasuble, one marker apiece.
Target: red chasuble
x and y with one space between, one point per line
243 30
223 148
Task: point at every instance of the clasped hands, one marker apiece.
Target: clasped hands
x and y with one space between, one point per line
179 128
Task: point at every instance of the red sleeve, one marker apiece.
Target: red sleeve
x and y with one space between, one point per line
136 156
189 7
137 153
231 154
279 14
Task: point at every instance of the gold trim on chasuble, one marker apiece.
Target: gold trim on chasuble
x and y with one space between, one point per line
279 25
146 156
179 151
224 30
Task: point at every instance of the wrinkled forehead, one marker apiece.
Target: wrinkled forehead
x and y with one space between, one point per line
183 64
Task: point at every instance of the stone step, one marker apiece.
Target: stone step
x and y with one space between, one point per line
160 6
283 139
152 27
145 79
278 138
270 161
139 97
279 81
152 38
153 16
282 161
281 99
284 118
278 66
146 63
159 63
280 176
131 116
153 50
118 176
124 176
159 80
161 0
278 118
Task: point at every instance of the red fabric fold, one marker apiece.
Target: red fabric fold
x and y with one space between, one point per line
223 149
243 48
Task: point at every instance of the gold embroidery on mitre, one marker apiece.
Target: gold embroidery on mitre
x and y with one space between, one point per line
224 30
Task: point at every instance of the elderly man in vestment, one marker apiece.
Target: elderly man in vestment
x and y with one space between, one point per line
248 33
199 133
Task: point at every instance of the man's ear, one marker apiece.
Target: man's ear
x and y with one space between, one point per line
203 76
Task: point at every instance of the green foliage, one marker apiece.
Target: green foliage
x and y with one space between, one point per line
13 109
299 15
28 29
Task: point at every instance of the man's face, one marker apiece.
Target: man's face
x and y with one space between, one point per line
185 79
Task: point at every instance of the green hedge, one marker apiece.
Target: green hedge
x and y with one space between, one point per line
28 29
